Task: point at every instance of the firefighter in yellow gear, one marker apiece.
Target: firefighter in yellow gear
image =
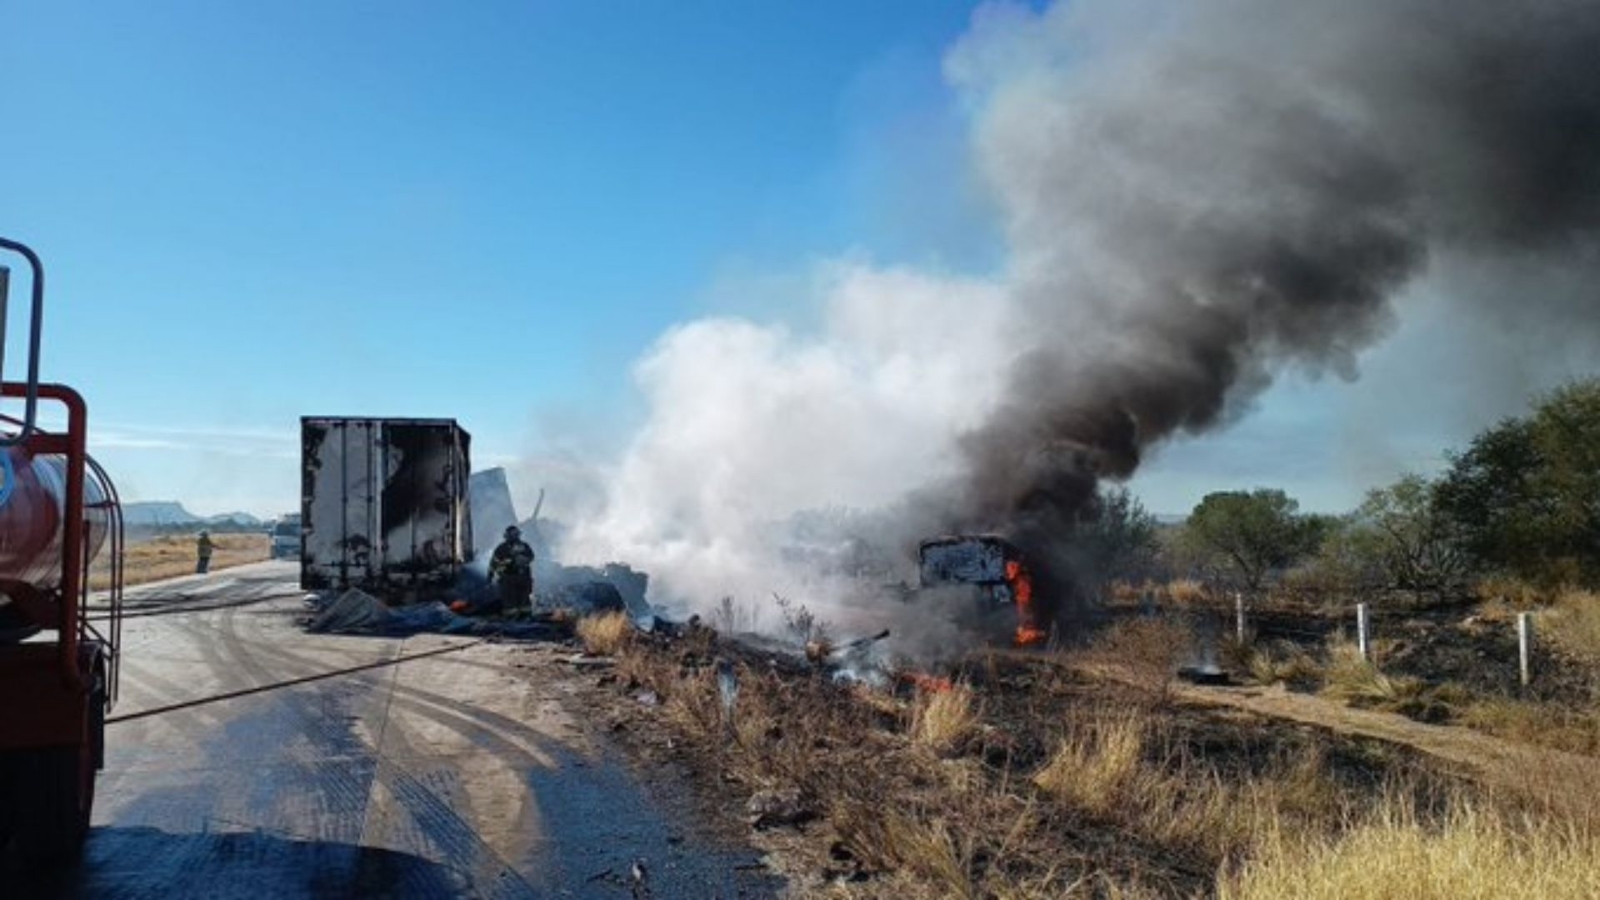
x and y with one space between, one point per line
202 549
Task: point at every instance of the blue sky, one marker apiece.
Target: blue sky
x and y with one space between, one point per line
489 211
251 212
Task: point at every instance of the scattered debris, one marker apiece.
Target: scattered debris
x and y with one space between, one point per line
1209 674
580 661
778 809
641 878
727 687
357 612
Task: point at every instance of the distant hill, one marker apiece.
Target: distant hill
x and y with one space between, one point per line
157 512
167 514
237 518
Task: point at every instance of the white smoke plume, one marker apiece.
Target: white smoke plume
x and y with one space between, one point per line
760 437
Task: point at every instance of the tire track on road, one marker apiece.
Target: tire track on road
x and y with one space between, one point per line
442 825
414 795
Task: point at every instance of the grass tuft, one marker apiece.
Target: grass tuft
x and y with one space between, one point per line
1546 725
1285 663
1574 624
605 635
1395 854
942 720
1187 592
1095 769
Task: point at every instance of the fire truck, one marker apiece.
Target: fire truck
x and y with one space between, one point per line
60 522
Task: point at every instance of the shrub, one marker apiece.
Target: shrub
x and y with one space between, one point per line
1282 662
1148 650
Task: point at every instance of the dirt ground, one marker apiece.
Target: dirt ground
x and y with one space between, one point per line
1495 761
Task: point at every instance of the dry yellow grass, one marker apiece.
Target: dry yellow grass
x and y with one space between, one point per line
1096 769
1287 664
1497 589
1574 624
922 851
1187 592
1125 771
604 635
174 555
1534 723
1394 855
1358 682
942 720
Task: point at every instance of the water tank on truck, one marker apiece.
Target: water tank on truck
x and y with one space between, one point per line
58 667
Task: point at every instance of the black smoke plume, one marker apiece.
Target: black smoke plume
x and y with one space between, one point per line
1200 195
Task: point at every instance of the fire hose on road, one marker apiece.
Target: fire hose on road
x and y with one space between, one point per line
177 609
307 679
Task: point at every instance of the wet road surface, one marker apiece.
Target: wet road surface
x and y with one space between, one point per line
459 775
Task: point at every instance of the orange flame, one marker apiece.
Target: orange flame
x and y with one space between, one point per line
1029 634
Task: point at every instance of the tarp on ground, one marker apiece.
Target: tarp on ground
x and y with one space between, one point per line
357 612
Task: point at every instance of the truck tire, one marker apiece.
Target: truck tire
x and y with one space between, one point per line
54 805
54 792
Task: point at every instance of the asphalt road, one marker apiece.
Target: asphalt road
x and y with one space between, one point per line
460 775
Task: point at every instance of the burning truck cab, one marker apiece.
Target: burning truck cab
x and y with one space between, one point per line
992 566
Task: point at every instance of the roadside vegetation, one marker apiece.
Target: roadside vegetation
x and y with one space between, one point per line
170 556
1028 776
1444 565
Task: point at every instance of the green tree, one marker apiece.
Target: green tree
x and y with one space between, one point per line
1117 535
1254 533
1403 531
1525 496
1348 558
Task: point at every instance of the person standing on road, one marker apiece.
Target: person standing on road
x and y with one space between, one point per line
512 567
202 548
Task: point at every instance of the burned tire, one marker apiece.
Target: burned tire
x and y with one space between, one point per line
599 596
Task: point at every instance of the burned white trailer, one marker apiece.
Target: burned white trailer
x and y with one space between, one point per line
984 562
384 505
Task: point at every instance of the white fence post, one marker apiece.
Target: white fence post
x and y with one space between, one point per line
1238 617
1525 645
1363 632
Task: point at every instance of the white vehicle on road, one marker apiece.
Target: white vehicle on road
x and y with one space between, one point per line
286 537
